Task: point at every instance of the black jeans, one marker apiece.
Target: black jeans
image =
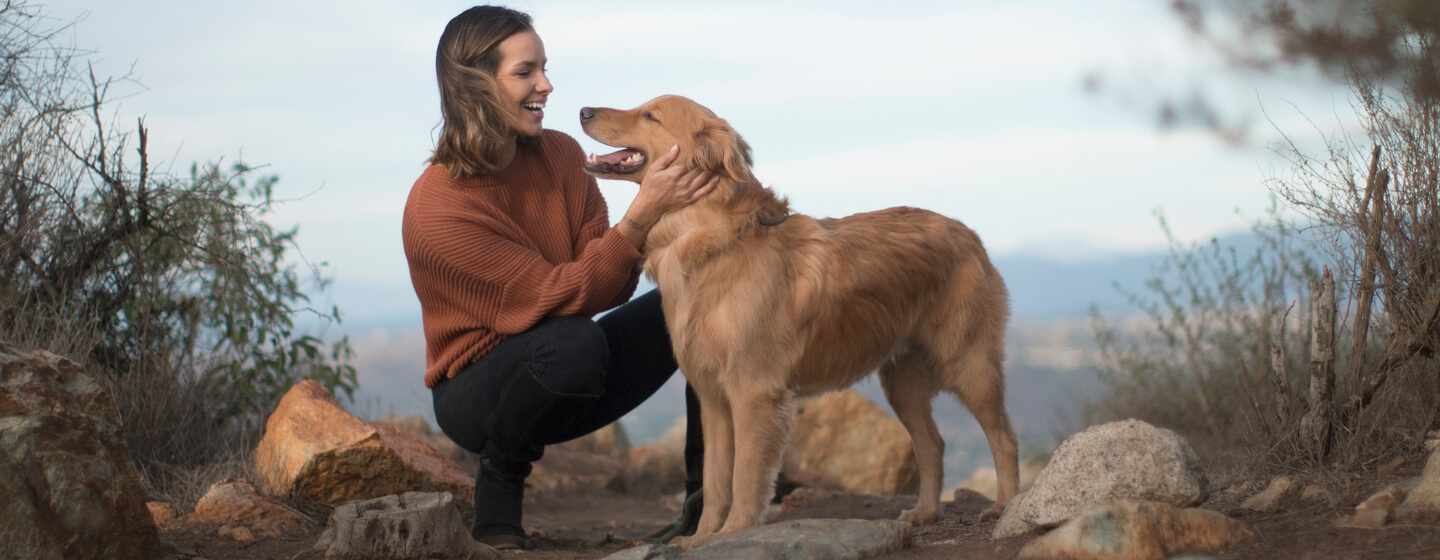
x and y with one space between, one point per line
620 360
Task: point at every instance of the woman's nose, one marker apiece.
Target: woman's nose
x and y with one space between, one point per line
544 86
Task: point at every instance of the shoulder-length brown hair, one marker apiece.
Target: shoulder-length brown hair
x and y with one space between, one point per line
477 125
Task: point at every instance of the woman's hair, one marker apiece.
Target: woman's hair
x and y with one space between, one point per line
477 124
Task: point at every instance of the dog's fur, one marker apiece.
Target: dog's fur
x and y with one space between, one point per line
761 315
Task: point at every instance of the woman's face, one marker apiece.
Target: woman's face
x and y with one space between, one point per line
521 74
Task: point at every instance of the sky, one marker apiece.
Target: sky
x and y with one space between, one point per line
974 109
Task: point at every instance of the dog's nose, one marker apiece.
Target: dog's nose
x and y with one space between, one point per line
587 113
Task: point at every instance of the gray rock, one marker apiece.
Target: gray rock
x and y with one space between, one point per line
800 539
1129 459
415 525
67 487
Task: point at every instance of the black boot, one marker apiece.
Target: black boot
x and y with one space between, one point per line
515 429
499 492
694 476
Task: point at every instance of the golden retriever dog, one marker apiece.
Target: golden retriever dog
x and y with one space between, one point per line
764 307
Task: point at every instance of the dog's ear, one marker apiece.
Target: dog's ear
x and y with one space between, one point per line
720 150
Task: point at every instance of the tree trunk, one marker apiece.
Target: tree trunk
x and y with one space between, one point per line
1316 426
1365 285
1277 366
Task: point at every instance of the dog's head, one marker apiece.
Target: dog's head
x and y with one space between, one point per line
647 132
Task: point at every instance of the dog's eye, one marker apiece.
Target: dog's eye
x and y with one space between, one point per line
650 116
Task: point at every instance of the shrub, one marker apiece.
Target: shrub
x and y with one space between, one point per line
174 288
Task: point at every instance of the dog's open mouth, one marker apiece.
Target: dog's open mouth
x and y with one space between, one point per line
623 162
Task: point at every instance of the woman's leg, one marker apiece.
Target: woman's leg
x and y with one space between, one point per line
508 405
641 361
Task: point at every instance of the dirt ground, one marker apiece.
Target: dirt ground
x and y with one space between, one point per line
577 527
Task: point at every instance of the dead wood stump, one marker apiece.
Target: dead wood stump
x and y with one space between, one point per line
413 525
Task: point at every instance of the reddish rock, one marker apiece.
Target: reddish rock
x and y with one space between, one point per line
1388 469
316 449
1375 510
1136 530
67 487
805 497
163 513
655 469
843 441
984 482
1282 493
237 502
235 533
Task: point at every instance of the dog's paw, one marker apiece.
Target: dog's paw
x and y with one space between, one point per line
992 513
918 517
697 541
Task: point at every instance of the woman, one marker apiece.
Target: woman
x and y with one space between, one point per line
511 253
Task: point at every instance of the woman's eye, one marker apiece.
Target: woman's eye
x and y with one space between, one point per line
523 73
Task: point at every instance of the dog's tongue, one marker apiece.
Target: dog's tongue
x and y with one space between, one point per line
617 157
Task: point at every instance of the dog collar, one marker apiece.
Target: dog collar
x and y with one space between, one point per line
769 220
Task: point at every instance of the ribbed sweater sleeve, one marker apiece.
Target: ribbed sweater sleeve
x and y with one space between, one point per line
491 256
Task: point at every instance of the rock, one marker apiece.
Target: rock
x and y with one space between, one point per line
843 441
1316 492
1282 493
1422 505
1388 469
1138 530
569 471
417 426
1375 510
805 497
413 525
165 514
985 482
649 471
611 441
1116 461
235 533
655 469
237 502
316 449
809 539
67 487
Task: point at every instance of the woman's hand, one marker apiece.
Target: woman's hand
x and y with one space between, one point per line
665 189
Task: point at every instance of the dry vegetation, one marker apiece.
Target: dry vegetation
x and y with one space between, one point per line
1317 350
171 288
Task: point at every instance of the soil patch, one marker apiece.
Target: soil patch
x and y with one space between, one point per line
577 527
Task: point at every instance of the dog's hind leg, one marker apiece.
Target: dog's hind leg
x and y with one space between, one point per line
910 387
980 386
762 426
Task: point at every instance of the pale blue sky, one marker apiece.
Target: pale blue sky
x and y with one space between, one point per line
974 109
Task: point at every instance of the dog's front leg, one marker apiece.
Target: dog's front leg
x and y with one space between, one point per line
762 426
716 417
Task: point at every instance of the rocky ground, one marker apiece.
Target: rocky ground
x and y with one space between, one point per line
582 527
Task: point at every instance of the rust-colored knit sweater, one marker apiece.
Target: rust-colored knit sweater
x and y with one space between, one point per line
492 255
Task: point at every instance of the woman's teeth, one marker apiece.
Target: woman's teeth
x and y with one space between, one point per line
534 107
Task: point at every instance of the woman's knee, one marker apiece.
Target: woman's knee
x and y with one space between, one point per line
574 357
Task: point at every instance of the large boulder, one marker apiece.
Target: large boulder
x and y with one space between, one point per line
1134 530
1106 463
655 469
67 487
316 449
843 441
